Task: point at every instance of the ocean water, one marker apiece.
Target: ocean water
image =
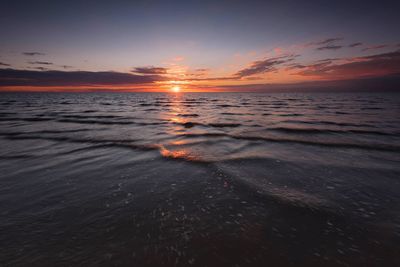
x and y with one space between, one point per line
199 179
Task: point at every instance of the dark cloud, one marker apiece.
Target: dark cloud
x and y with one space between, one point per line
368 66
390 83
150 70
355 44
264 66
40 68
33 54
198 73
14 77
328 41
213 78
330 47
306 68
328 59
374 47
40 63
294 66
66 67
4 64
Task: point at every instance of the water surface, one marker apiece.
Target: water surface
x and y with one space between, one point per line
108 179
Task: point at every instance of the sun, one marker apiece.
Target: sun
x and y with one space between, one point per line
176 89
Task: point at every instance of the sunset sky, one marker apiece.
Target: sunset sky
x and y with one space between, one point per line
199 45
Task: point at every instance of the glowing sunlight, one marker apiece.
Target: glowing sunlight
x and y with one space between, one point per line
176 89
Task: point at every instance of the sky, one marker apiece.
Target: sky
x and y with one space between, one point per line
199 45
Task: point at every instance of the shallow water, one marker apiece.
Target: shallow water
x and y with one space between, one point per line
108 179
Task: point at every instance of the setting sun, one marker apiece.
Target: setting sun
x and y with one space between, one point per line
176 89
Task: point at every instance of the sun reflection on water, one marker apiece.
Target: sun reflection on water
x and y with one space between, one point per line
177 154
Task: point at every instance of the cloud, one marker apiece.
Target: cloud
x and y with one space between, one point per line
150 70
33 54
4 64
40 68
311 67
389 83
318 63
253 78
355 44
15 77
40 63
198 73
389 55
264 66
212 79
368 66
374 47
328 59
328 41
330 47
295 66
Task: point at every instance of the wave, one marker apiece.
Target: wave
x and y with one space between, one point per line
104 143
190 124
291 115
236 114
6 113
109 122
118 120
327 131
92 117
331 123
371 108
227 106
17 156
221 125
188 115
96 122
26 119
378 147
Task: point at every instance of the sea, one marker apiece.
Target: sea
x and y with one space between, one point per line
199 179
